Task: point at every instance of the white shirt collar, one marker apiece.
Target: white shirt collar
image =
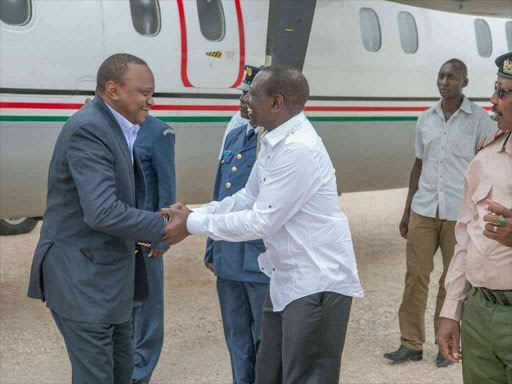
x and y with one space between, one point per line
124 123
464 106
283 130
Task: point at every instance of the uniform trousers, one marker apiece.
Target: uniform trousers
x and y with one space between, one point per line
99 353
303 343
486 341
148 321
241 305
424 238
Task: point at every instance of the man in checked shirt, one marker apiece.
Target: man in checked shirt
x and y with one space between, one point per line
479 281
291 202
447 137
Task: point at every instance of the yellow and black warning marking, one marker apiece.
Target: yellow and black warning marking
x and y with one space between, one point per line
216 54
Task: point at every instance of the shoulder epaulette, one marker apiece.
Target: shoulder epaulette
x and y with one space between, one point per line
490 139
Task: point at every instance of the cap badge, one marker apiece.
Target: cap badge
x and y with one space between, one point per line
507 67
249 71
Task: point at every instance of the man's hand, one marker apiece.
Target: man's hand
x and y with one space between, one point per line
448 339
176 229
502 233
181 207
404 225
209 266
156 252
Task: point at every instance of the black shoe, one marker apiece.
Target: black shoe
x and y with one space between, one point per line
441 362
139 382
405 354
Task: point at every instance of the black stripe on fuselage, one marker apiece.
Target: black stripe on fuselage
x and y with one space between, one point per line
221 96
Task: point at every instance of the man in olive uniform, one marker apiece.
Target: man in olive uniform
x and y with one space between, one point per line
479 281
241 285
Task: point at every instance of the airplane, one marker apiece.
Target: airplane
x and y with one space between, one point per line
371 65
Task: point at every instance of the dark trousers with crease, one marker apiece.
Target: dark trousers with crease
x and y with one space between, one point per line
303 343
99 353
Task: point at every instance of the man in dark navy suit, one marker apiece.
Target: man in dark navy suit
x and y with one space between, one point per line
155 149
85 266
241 285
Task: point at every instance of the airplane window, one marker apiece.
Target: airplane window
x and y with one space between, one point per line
145 16
408 32
483 38
370 29
508 31
211 19
15 12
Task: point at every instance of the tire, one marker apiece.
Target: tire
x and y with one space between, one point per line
17 226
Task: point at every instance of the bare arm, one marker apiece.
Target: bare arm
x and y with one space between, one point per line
414 181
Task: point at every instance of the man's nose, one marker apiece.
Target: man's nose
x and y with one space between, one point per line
495 98
151 101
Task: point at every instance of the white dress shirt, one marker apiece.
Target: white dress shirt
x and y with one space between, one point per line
446 149
291 202
129 129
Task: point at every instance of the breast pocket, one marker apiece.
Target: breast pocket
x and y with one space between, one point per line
482 191
463 146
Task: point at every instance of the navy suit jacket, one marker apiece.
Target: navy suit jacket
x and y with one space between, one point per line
235 261
155 149
84 264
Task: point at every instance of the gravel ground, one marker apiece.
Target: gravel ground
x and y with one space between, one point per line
32 350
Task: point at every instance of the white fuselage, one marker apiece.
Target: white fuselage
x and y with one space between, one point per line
364 104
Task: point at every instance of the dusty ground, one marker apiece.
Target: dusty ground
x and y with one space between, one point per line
32 350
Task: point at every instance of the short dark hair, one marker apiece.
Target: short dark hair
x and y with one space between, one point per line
114 68
461 66
288 82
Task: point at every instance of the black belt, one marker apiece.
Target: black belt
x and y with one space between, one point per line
496 296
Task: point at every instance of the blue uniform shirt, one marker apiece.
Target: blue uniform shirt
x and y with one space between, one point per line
235 261
155 148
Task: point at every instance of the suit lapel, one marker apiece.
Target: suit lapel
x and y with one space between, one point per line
119 135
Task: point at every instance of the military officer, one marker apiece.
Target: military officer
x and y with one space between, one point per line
479 280
241 285
155 149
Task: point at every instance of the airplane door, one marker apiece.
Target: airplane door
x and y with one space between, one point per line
212 43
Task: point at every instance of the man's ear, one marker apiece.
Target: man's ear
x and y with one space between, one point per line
278 103
112 90
465 82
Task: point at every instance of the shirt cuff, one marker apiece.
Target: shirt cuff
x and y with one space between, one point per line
452 309
195 223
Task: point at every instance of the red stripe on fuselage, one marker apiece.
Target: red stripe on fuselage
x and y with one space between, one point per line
171 107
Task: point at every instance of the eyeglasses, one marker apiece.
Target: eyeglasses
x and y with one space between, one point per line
501 92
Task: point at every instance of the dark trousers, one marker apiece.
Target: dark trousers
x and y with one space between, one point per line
99 353
148 321
303 343
241 305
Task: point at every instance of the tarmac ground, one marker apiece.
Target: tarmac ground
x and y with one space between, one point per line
32 350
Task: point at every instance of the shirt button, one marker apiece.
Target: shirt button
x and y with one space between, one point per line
273 269
233 169
222 162
270 206
228 185
262 268
239 156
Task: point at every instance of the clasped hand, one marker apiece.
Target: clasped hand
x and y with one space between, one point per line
176 229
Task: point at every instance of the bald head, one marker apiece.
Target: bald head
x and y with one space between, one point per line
288 82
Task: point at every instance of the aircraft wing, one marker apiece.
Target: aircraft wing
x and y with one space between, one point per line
496 8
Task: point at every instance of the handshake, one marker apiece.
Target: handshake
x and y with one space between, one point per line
176 227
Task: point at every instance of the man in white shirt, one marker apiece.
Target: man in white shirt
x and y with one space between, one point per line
447 137
291 202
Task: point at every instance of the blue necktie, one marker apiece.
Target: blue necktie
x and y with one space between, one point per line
249 135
